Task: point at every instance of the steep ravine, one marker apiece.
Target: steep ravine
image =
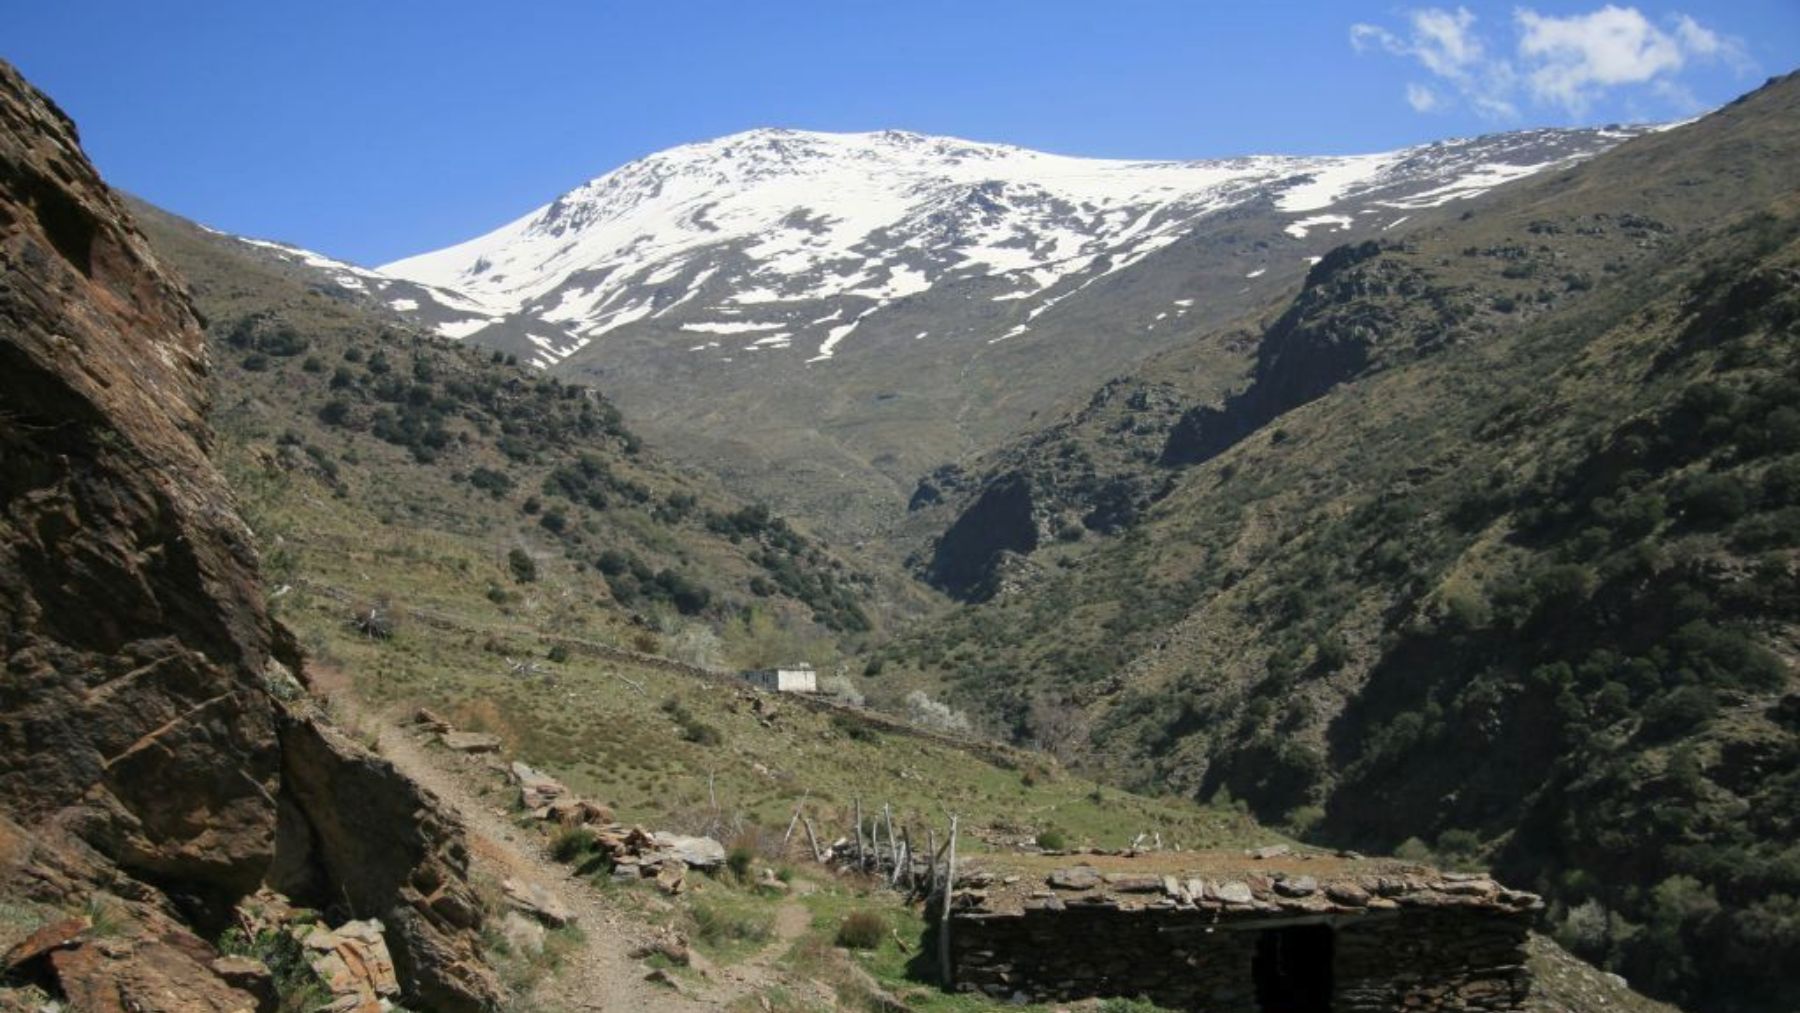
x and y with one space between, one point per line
157 759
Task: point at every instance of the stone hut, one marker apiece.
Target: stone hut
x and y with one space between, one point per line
1290 933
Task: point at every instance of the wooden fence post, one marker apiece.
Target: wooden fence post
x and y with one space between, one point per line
887 815
906 845
930 862
790 830
944 915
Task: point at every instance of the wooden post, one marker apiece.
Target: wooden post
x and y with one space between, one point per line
944 915
912 882
887 814
930 862
859 836
790 830
812 839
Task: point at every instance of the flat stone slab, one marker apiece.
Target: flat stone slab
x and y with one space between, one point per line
1234 893
1126 882
697 852
539 903
1077 877
1297 886
471 742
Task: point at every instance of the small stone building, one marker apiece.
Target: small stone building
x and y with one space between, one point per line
785 678
1296 934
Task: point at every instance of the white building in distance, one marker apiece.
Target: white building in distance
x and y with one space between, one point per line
785 678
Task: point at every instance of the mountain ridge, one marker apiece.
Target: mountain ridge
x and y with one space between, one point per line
944 309
947 195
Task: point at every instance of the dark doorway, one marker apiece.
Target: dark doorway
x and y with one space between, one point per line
1292 968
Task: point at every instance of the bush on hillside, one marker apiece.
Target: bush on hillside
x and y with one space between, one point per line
861 930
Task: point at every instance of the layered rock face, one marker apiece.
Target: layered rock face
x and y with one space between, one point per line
141 747
134 628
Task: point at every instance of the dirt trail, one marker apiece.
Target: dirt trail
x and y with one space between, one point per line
758 973
600 975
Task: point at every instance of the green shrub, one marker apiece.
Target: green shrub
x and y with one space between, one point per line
1682 709
1052 840
1710 501
297 985
523 567
1413 850
861 930
716 926
495 483
573 844
701 734
851 728
738 860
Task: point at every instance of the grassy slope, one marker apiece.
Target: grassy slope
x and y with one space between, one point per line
386 527
1523 588
426 449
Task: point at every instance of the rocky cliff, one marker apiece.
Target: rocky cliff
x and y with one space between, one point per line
148 763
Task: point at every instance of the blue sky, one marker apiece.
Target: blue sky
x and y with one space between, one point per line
371 130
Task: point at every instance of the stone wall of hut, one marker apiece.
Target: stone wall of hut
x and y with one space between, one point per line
1460 959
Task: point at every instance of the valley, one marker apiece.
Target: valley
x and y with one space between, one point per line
1394 557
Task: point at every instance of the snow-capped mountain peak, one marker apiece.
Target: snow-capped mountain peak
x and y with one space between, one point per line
796 239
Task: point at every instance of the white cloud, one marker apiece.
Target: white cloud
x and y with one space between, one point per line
1445 43
1422 99
1569 62
1578 57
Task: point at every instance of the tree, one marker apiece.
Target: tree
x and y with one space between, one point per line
523 567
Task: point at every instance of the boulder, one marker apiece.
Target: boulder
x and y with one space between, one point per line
536 790
250 975
696 852
354 963
431 722
574 812
1271 851
53 936
386 845
143 976
539 903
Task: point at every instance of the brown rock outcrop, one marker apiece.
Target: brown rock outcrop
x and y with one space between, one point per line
376 839
141 748
130 609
